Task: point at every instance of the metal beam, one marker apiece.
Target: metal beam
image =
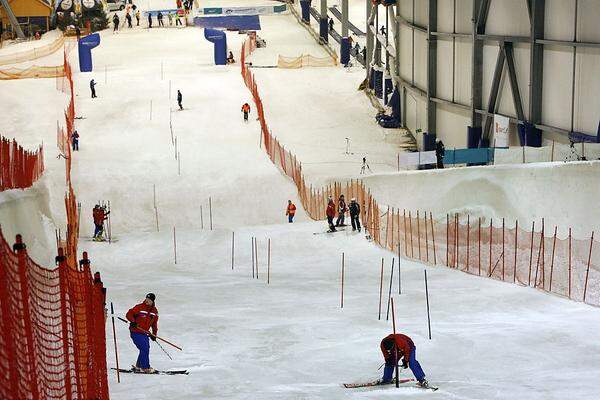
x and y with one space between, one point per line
568 43
483 9
536 59
476 65
403 21
431 67
514 83
452 35
491 108
344 18
503 38
13 19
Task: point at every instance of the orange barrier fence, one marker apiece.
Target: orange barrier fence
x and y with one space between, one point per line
52 321
32 72
566 267
32 54
19 168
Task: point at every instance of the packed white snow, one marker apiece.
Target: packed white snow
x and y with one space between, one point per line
289 339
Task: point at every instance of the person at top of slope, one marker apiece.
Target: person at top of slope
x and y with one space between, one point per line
143 327
291 211
246 111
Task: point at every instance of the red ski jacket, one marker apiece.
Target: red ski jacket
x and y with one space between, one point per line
145 316
291 209
330 209
403 343
99 216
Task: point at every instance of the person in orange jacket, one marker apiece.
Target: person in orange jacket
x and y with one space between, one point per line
246 111
396 347
291 211
330 212
143 327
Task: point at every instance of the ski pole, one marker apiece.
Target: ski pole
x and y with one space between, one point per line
163 349
148 333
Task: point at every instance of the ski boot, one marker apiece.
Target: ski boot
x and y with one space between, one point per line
423 383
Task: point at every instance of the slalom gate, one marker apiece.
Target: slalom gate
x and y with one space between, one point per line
537 258
52 320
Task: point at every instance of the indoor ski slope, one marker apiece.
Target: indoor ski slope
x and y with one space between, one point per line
242 338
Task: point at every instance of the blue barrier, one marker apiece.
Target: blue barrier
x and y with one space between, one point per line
529 135
473 137
345 51
378 83
164 12
388 87
469 156
85 46
305 5
233 22
220 40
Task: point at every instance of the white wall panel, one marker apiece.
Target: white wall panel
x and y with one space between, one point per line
421 59
405 53
452 127
508 17
444 69
464 13
445 20
587 90
588 18
463 71
559 19
556 95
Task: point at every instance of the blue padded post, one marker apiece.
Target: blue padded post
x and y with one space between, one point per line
323 30
305 5
378 82
85 46
529 135
395 104
473 137
220 40
388 87
345 51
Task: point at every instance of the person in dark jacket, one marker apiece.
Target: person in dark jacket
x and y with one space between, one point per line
179 99
115 22
75 140
160 19
354 214
128 18
93 88
439 153
341 211
149 20
396 347
330 24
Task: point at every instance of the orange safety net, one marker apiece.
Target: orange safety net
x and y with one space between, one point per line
566 267
305 60
52 321
32 54
19 168
32 72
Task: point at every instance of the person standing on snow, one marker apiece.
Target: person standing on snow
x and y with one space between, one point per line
364 165
246 111
354 214
177 19
128 18
142 318
179 99
75 140
100 215
93 88
137 17
149 20
341 211
160 19
170 17
291 211
439 153
330 212
398 346
115 22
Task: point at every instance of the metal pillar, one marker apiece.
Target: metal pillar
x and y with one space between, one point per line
536 68
371 12
431 67
13 20
480 13
344 18
491 108
324 27
514 84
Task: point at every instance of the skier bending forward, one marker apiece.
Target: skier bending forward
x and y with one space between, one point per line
142 318
396 347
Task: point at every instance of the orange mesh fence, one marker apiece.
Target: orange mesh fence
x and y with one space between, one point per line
33 54
52 321
32 72
19 168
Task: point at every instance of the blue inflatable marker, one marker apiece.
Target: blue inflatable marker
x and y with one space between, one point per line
220 40
85 45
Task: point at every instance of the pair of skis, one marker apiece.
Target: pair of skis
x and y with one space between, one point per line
379 383
156 372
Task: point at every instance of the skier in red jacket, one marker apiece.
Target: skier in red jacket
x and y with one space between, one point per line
143 318
396 347
330 212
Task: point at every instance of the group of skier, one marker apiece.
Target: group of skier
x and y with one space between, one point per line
342 209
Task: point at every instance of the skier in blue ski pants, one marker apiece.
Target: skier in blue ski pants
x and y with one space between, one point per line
395 347
142 342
